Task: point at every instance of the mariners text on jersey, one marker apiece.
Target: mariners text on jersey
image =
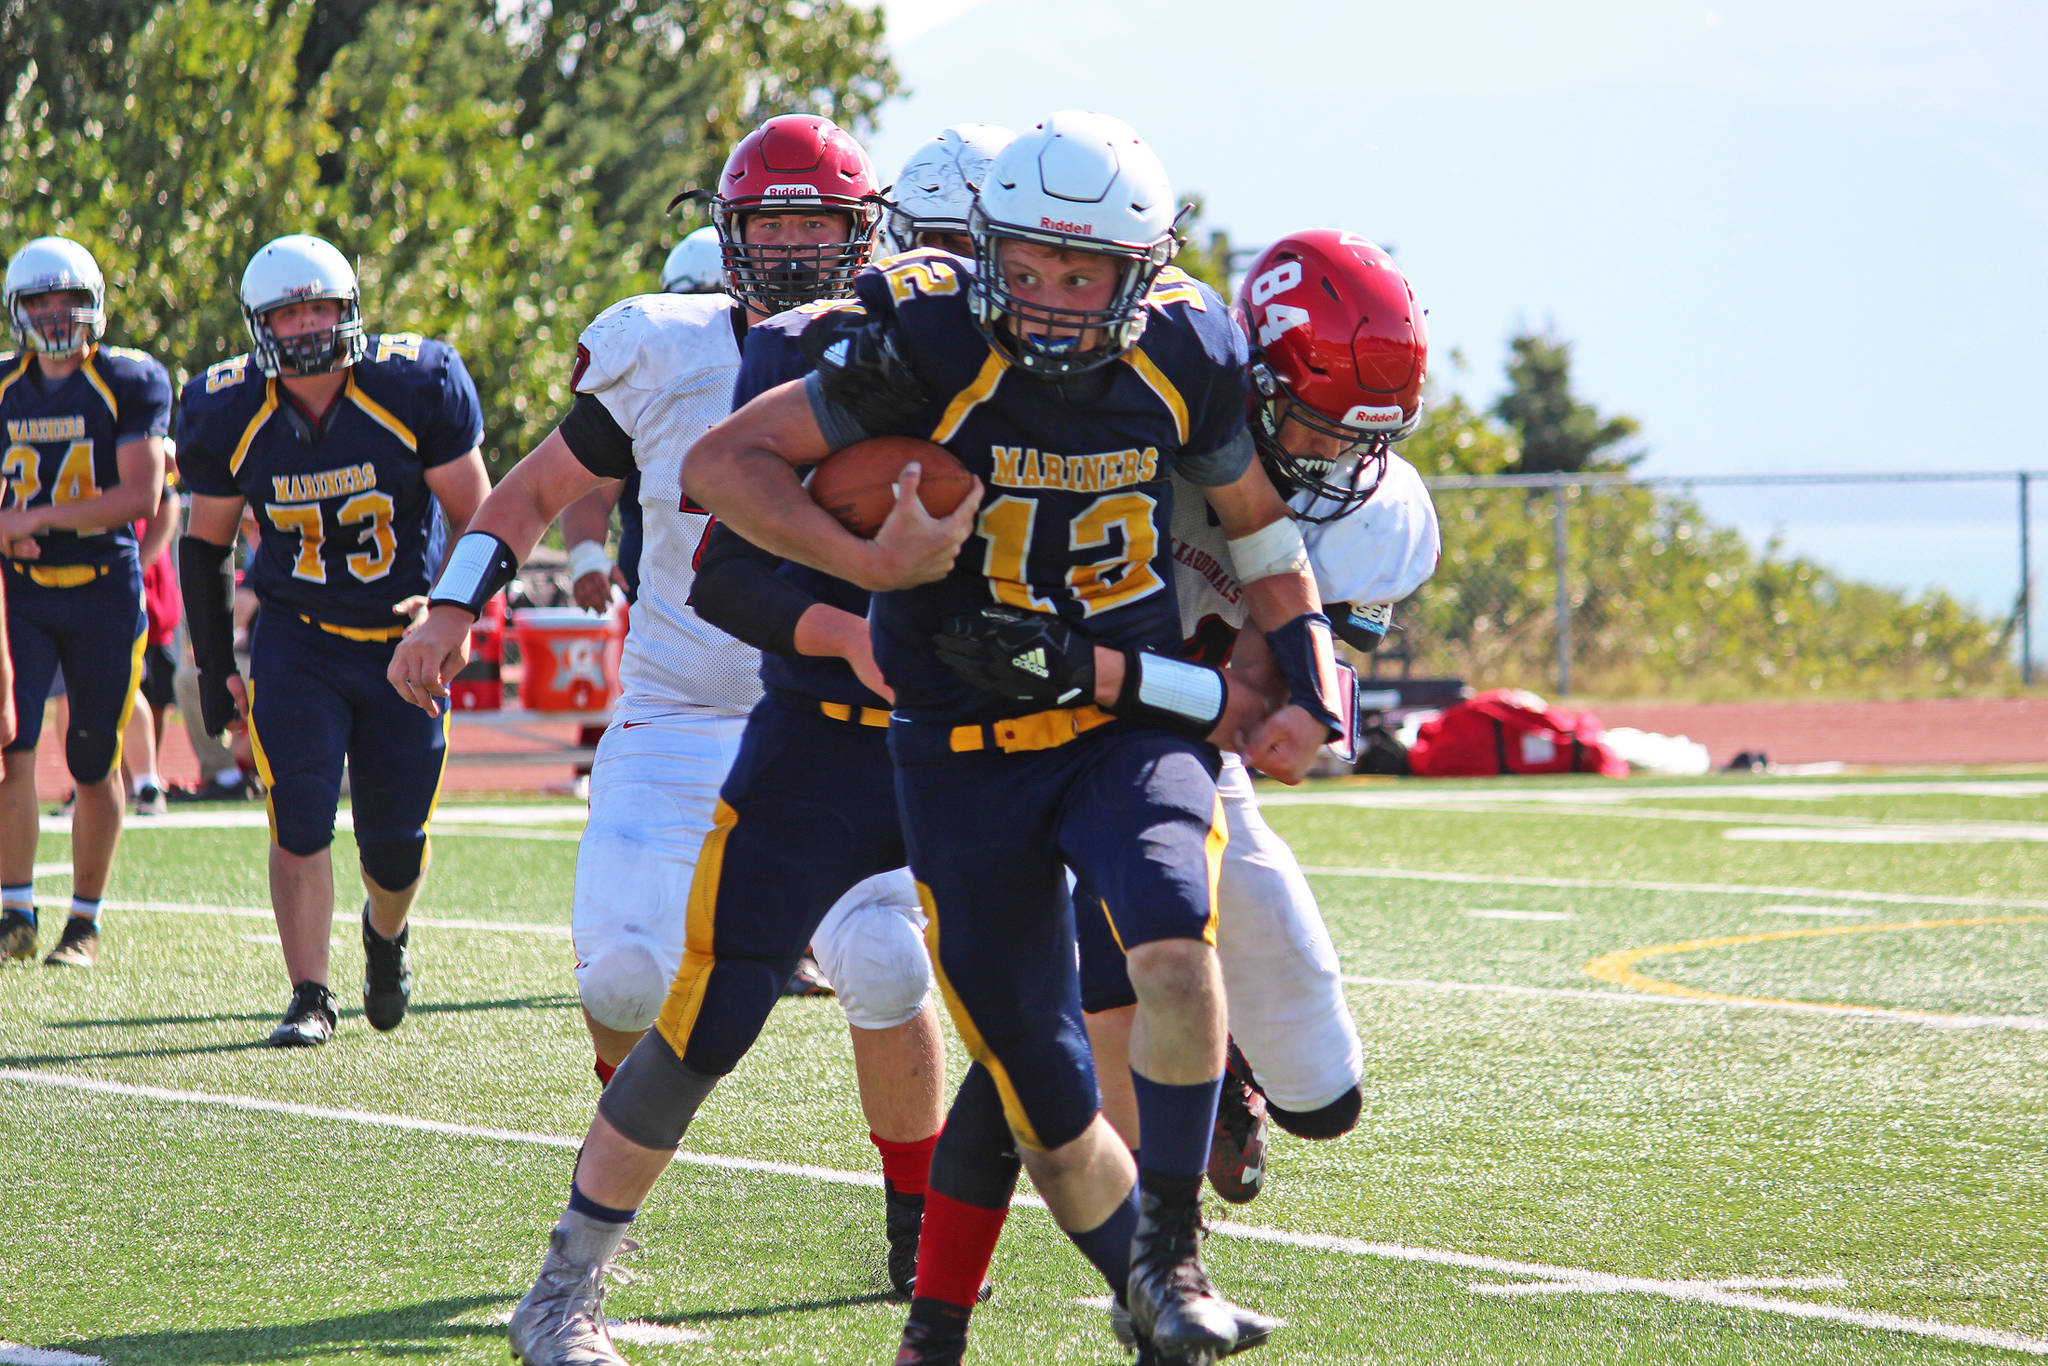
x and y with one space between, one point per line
341 499
1078 498
63 439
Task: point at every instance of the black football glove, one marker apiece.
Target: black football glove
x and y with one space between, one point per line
860 369
1031 656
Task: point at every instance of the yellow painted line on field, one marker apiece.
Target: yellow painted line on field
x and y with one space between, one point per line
1619 967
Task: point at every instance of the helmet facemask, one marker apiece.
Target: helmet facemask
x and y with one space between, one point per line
772 278
318 352
58 332
1340 482
1020 331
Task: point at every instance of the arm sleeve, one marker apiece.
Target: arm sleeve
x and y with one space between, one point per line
458 423
1222 465
596 439
738 590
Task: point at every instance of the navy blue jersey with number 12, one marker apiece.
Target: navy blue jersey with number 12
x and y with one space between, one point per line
1078 502
342 501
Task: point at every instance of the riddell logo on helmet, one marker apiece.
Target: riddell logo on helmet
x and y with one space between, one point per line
1364 415
810 190
1061 225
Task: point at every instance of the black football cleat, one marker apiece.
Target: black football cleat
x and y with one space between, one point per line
79 946
1252 1329
935 1335
1173 1306
1237 1150
387 975
17 934
309 1020
903 1219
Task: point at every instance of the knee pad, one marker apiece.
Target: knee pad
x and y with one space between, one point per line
654 1095
393 864
1329 1121
302 814
623 985
975 1160
871 946
91 754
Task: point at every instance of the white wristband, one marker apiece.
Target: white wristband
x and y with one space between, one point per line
588 557
1273 549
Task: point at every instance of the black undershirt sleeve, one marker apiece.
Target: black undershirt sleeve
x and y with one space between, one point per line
596 439
738 590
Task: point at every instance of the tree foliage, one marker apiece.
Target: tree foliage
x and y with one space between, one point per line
499 170
1559 434
1662 601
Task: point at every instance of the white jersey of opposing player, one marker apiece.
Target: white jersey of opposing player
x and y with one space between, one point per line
663 365
1378 553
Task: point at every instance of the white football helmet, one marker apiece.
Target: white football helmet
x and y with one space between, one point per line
1079 181
49 263
695 265
295 269
938 182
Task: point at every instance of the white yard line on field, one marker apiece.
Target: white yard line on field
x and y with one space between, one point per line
1733 1283
637 1331
1622 794
14 1354
2035 1024
482 818
1691 1292
432 922
1605 884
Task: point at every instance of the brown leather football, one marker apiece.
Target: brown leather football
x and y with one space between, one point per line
857 483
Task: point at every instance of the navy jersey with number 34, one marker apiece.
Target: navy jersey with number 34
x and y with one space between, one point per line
1078 502
62 440
342 502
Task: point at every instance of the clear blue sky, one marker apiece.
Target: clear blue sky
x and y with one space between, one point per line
1795 236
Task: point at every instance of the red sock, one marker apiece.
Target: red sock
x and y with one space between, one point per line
906 1166
954 1252
604 1072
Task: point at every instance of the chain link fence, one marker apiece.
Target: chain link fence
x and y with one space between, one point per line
1731 586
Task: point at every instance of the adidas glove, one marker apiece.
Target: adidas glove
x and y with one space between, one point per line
1031 656
860 369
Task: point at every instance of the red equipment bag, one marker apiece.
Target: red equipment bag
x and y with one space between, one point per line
1511 731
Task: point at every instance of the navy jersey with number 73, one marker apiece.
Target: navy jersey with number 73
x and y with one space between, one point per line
342 502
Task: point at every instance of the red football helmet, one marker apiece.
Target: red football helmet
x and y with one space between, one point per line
1338 345
794 162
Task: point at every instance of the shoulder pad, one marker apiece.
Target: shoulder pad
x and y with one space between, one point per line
1380 552
128 353
650 339
224 374
1175 286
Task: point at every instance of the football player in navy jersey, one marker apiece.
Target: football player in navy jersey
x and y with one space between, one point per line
795 211
1073 373
84 461
342 443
